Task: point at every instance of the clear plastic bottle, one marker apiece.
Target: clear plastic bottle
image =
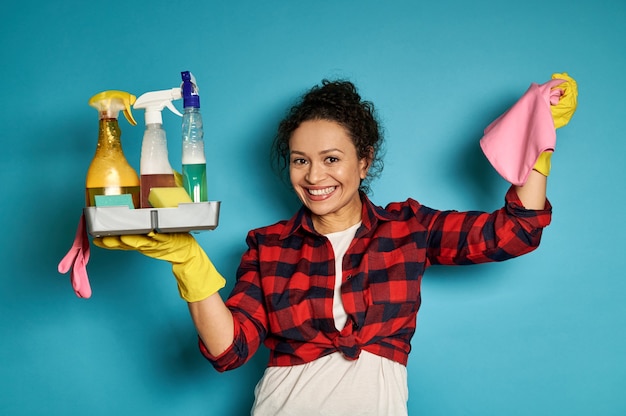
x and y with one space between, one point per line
156 171
193 156
109 172
155 168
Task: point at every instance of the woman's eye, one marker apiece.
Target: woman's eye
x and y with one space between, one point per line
298 161
332 159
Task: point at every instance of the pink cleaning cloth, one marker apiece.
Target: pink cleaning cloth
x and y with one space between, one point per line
514 141
76 259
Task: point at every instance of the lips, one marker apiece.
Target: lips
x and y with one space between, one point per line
322 192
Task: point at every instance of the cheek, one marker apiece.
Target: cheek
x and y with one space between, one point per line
293 177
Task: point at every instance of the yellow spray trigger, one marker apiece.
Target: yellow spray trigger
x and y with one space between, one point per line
113 101
128 101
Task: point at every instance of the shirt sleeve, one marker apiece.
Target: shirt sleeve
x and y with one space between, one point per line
457 238
249 315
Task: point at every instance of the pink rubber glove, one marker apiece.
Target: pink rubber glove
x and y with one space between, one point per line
514 141
76 259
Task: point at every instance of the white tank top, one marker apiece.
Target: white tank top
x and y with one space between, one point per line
332 385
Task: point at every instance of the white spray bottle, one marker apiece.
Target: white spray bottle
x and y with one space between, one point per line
156 171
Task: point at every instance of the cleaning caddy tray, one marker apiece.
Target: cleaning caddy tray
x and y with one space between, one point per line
121 220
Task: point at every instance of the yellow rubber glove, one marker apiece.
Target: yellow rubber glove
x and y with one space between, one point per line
564 110
196 276
543 163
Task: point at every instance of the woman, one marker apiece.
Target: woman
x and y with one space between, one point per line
334 291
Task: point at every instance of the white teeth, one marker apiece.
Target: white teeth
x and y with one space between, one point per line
324 191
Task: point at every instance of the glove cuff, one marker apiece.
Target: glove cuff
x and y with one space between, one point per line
543 164
197 278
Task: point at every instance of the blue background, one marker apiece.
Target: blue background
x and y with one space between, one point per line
542 334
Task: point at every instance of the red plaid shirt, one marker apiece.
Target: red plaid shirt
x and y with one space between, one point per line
283 296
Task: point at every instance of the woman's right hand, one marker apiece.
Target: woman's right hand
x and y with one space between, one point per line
196 276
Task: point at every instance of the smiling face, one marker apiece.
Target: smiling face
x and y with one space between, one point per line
326 172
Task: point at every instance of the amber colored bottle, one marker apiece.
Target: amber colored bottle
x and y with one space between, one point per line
109 172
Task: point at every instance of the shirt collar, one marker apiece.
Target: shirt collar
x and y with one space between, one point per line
370 216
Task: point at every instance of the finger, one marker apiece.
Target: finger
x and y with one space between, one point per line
111 242
137 241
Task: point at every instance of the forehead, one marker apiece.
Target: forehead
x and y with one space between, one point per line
320 135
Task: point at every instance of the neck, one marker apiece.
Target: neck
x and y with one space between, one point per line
332 223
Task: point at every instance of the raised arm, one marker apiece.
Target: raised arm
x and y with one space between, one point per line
533 192
525 135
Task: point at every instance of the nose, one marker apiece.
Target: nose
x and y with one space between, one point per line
315 173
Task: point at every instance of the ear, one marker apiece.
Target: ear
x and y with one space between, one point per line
365 163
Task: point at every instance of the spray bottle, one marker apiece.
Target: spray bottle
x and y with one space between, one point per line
109 172
156 171
194 159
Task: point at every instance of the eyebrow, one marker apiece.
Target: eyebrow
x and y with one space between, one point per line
323 152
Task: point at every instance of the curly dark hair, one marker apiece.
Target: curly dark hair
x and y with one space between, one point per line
340 102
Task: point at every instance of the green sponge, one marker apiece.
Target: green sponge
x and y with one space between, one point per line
115 200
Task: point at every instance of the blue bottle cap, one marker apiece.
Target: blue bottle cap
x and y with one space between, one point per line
190 91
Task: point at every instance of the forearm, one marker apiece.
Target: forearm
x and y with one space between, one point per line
214 323
533 192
